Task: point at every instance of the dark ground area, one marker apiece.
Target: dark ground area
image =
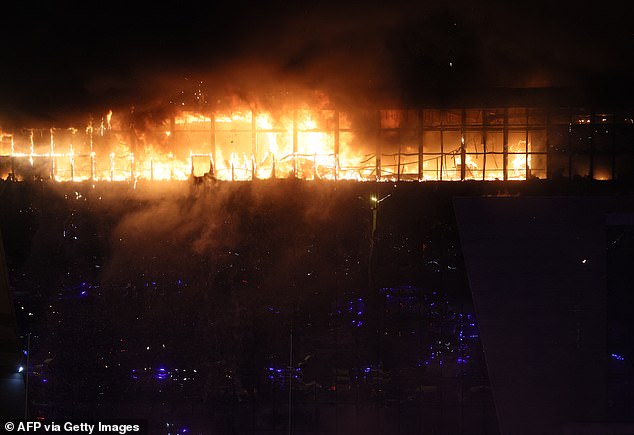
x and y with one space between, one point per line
217 308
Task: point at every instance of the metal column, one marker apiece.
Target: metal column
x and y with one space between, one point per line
505 145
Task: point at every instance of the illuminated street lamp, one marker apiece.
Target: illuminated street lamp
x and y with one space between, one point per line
375 201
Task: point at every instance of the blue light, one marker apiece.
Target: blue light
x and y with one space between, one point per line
618 357
367 369
20 369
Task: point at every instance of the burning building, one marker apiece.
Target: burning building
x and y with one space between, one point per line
323 143
216 293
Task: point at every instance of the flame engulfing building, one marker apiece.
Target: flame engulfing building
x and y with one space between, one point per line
321 142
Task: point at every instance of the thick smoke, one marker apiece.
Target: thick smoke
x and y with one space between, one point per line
70 63
223 238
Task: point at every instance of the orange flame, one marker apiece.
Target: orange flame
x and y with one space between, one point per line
242 144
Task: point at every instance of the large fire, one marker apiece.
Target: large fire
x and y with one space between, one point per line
250 144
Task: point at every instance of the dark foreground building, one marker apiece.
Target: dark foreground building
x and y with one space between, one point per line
549 281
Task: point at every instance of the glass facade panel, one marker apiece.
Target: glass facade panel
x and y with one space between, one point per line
517 116
473 142
431 167
22 142
6 141
494 167
602 167
580 166
581 137
494 141
390 144
538 170
357 158
41 168
623 138
431 142
121 167
537 141
494 117
452 140
315 156
42 141
536 116
517 165
559 116
432 117
474 166
624 167
82 167
396 118
474 116
538 158
452 117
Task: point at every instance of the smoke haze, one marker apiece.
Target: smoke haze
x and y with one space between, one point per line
60 61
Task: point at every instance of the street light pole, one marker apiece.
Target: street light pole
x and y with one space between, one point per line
373 300
290 384
375 201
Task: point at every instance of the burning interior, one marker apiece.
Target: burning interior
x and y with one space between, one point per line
510 143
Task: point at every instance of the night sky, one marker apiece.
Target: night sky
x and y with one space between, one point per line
58 61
